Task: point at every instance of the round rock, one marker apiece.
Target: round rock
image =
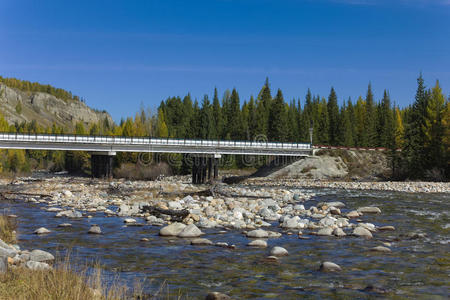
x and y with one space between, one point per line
201 242
95 229
369 210
362 232
172 230
190 231
328 266
39 255
257 233
42 230
278 251
381 249
258 243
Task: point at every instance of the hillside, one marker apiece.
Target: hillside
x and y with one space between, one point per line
18 105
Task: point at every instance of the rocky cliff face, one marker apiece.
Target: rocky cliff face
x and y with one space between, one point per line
46 109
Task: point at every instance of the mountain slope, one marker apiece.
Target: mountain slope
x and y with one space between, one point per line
19 106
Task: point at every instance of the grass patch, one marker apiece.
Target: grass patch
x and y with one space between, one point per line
8 228
62 283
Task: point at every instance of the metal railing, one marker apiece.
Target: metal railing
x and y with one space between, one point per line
116 140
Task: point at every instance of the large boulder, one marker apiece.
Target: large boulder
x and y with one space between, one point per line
278 251
258 233
40 256
327 231
7 252
190 231
172 230
362 232
258 243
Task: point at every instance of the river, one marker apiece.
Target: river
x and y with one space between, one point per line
418 266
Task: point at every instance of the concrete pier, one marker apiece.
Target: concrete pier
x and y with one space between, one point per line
205 168
102 164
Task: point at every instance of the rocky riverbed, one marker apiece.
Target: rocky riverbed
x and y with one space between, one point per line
269 226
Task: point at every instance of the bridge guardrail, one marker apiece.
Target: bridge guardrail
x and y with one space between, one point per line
70 138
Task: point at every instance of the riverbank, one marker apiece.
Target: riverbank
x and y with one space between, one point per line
392 186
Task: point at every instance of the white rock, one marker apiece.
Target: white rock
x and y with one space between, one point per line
278 251
40 256
369 210
339 232
362 232
129 221
37 266
330 267
257 233
175 205
327 231
380 249
172 230
258 243
201 241
42 230
190 231
95 229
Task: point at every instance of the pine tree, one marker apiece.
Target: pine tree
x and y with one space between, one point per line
277 119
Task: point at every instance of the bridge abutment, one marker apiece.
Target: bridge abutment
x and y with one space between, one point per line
102 164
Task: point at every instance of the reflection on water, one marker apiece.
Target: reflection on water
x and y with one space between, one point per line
416 267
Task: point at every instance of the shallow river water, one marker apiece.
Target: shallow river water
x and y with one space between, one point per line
418 268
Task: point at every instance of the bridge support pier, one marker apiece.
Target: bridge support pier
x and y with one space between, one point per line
102 164
205 169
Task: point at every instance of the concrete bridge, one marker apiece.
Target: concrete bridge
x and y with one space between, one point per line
102 148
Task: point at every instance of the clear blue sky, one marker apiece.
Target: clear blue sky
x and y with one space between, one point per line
119 54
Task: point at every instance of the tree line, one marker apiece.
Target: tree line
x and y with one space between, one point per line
32 87
421 130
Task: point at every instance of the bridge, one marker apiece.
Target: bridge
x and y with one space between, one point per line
103 148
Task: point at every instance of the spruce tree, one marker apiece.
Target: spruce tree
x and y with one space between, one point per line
370 119
277 119
333 117
415 137
217 115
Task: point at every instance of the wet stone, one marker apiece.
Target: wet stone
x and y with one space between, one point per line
328 266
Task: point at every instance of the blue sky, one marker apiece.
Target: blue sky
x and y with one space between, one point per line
119 54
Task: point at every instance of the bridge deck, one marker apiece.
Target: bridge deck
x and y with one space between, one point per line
144 144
